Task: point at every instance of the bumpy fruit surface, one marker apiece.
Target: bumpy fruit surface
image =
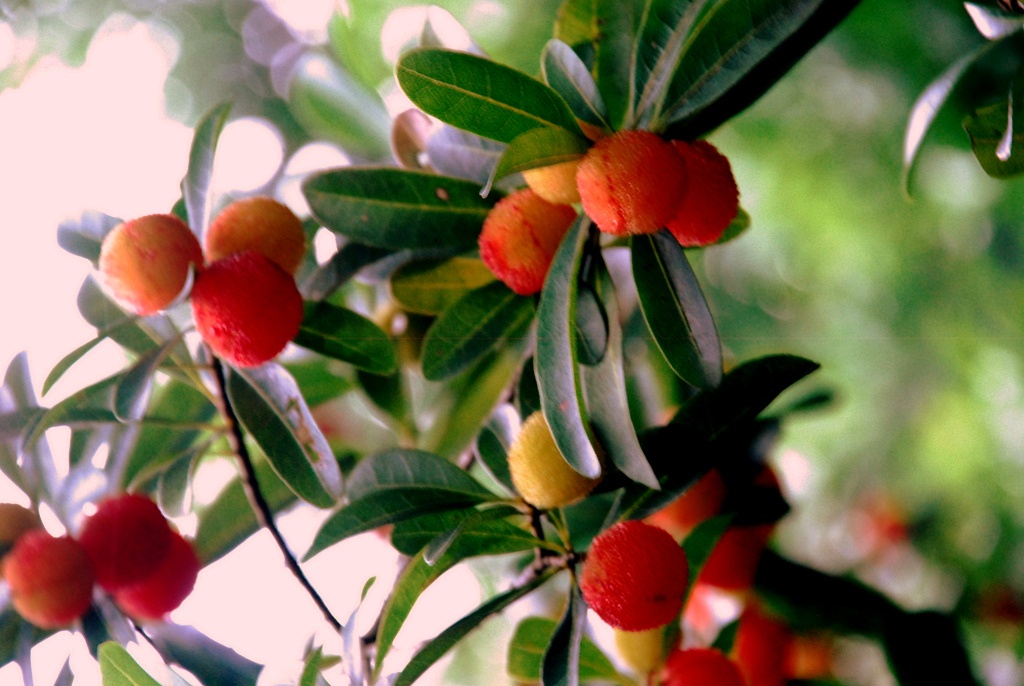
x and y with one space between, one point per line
642 651
631 182
261 224
246 308
539 472
701 501
144 262
701 667
555 183
126 538
711 200
634 576
50 579
167 587
520 236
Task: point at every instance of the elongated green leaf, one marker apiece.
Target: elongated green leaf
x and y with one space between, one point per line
675 309
88 406
462 154
699 543
561 663
396 208
447 639
492 446
196 185
483 538
478 95
430 287
132 390
565 72
577 23
477 323
539 147
84 236
69 360
988 127
342 266
271 408
604 388
556 365
209 661
531 639
120 669
344 335
440 544
411 536
617 44
401 468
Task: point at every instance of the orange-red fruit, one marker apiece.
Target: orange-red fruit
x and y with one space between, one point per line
246 308
126 539
144 262
631 182
167 587
733 561
50 579
712 198
701 667
699 502
635 576
761 648
520 236
261 224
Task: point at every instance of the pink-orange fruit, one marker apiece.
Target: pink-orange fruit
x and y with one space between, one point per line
144 262
246 308
261 224
701 667
50 579
520 236
126 538
555 183
712 199
631 182
701 501
167 587
635 576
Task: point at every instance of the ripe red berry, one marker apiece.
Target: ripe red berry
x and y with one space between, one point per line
167 587
126 539
699 502
520 236
635 576
50 578
701 667
631 182
246 308
733 561
712 198
761 648
144 262
261 224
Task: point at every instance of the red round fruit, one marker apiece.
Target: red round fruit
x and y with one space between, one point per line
167 587
701 667
126 539
635 576
50 578
246 308
733 561
761 648
712 198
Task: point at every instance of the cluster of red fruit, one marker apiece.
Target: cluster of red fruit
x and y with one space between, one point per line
245 302
126 547
631 182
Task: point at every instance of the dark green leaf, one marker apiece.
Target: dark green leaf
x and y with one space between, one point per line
432 286
447 639
120 669
211 662
195 186
565 72
477 323
993 22
726 638
411 536
927 648
271 408
344 335
987 128
675 309
400 468
699 543
480 96
84 236
540 147
591 326
396 208
560 665
440 544
492 446
531 639
556 359
616 43
463 155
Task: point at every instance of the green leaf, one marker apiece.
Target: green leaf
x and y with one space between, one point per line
560 665
539 147
210 662
591 326
492 446
403 468
120 669
993 23
342 266
132 390
482 538
396 208
84 236
344 335
271 408
85 407
530 641
195 187
480 96
71 358
987 128
556 361
577 22
411 536
927 648
616 44
463 155
675 309
432 286
440 544
566 73
700 542
604 388
331 104
726 638
478 322
448 638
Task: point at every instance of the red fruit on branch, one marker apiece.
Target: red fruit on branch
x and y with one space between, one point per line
50 579
126 540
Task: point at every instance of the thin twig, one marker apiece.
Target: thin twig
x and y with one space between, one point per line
264 514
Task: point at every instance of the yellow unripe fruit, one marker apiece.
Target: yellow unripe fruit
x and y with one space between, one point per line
555 183
539 472
642 651
261 224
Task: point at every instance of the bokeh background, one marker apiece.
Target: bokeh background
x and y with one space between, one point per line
909 474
